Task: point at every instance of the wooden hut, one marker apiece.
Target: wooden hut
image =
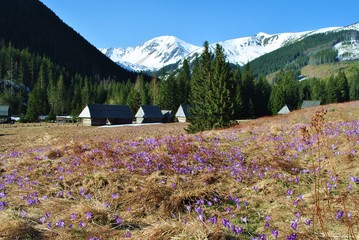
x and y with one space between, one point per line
101 114
286 109
183 113
149 114
5 116
310 103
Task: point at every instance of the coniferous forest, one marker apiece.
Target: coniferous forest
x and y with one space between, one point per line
34 85
46 68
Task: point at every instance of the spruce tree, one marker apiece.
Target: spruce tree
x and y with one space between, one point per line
354 85
261 97
200 87
183 82
220 104
210 96
343 87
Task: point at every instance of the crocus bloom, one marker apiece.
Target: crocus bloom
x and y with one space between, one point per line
88 215
339 214
60 224
213 220
275 233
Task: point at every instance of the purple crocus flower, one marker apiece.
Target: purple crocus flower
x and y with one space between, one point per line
128 234
293 236
275 233
201 217
82 224
88 215
213 220
43 220
339 214
226 223
118 220
60 224
188 208
2 205
307 222
262 237
294 225
73 216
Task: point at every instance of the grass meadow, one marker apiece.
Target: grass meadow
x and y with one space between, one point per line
283 177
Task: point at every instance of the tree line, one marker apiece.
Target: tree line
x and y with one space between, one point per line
33 85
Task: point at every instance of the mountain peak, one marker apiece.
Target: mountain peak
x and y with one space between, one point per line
165 50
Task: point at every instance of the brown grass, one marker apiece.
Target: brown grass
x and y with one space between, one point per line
75 170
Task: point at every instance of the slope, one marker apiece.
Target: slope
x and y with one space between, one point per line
30 24
316 49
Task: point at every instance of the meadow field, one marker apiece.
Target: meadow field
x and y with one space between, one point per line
284 177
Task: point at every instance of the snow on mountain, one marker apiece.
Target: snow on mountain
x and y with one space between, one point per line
161 51
152 55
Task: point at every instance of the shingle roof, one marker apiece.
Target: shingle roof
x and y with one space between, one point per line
106 111
310 103
149 111
4 110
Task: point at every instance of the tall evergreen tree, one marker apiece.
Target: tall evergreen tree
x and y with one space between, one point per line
354 85
200 87
343 87
247 92
284 91
332 94
212 105
237 94
183 82
261 96
220 103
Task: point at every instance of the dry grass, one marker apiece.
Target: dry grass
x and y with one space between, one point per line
157 182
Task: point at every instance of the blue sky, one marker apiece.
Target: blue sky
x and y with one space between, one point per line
122 23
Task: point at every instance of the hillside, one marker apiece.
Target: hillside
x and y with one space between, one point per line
29 24
285 177
316 49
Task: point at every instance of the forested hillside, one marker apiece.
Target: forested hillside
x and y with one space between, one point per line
312 50
30 24
48 68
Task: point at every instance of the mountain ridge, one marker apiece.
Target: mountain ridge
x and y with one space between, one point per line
238 51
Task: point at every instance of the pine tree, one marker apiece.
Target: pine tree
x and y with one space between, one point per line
261 97
33 112
284 91
237 94
332 95
220 104
343 87
200 87
354 86
247 92
183 82
168 93
210 96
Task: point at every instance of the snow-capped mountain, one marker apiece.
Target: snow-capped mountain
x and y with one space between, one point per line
161 51
152 55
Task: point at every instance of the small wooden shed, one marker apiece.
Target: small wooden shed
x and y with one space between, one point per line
149 114
286 109
183 113
101 114
310 103
5 114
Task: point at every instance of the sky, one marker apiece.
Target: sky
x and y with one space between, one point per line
124 23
